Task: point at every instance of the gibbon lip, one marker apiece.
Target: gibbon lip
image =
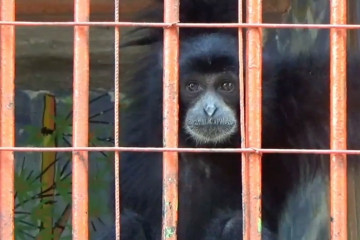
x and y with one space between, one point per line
211 121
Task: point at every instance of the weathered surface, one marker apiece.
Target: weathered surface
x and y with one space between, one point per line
44 58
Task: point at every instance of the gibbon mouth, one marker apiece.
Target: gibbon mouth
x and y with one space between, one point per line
211 130
211 122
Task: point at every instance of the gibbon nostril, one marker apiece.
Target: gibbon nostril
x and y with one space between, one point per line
210 109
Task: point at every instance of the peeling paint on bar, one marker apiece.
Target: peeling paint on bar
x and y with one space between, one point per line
80 211
7 120
170 124
253 115
338 122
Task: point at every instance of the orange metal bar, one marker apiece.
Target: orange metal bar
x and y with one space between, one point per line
253 117
7 120
170 124
80 123
184 25
338 118
177 149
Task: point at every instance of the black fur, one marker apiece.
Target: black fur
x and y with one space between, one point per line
209 181
302 84
307 214
228 225
133 227
141 173
191 11
204 178
295 115
305 84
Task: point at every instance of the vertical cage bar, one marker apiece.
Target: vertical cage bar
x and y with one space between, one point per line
244 162
253 118
7 120
80 123
116 120
170 124
338 122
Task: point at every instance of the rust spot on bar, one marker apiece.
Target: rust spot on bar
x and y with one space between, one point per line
80 123
338 122
253 116
170 124
7 120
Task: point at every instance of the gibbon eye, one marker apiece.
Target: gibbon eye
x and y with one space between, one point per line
193 87
227 86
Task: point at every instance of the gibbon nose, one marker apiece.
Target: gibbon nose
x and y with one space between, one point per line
210 109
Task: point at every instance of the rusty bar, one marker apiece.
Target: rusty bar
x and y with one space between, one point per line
80 123
253 116
187 150
338 118
116 119
184 25
170 124
7 120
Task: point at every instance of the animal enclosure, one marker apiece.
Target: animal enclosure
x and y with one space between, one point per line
252 33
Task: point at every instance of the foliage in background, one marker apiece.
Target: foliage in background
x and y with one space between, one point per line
34 194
